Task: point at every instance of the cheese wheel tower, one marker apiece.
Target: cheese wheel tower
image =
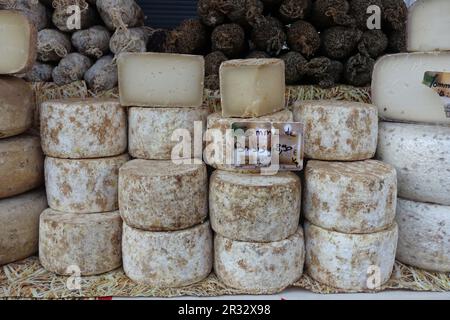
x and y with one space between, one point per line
217 124
338 130
154 132
351 262
90 243
421 156
350 197
167 259
21 165
424 235
80 129
19 225
253 207
259 267
159 195
166 241
18 37
83 185
16 106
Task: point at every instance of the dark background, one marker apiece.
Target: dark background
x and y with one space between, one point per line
167 13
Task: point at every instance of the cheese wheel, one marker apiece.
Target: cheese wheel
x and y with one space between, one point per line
21 165
338 130
259 267
16 106
424 235
253 207
71 242
160 195
167 259
90 128
426 21
84 185
421 156
353 262
350 197
152 132
19 225
217 123
398 88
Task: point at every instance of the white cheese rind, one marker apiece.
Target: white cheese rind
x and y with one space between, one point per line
217 121
90 128
259 267
424 235
397 88
253 207
21 165
19 225
160 195
160 79
88 242
18 38
350 197
427 22
348 261
252 87
16 106
151 129
167 259
338 130
83 185
421 156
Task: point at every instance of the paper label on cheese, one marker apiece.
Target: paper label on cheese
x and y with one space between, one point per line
440 83
267 144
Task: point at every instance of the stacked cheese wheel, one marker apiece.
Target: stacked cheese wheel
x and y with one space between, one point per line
415 138
21 159
259 244
349 200
163 194
85 142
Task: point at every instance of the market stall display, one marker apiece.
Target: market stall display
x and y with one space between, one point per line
177 220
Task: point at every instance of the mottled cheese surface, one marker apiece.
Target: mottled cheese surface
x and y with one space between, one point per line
160 195
83 185
421 156
347 261
259 267
424 235
350 197
338 130
151 130
79 129
90 243
168 259
253 207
